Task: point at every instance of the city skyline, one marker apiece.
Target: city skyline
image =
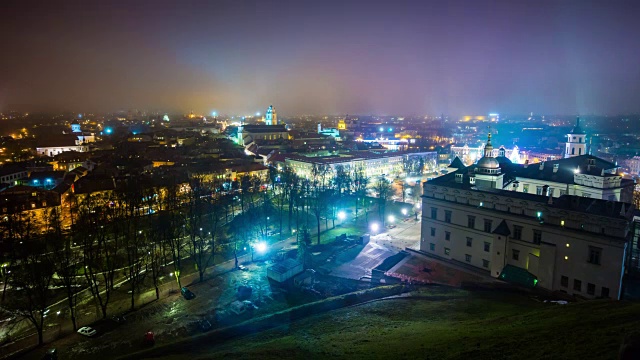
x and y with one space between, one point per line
411 57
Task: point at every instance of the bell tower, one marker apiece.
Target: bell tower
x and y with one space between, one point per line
576 142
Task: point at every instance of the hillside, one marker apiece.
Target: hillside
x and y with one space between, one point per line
444 324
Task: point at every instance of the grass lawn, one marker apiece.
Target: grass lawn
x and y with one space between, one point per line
445 324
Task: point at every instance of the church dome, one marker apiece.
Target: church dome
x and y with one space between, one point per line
488 163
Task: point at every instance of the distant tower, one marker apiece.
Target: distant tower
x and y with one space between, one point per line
576 144
75 126
271 118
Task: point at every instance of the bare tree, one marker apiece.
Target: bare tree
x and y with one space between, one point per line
68 261
31 285
383 188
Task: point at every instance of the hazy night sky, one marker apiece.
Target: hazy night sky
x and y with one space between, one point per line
382 57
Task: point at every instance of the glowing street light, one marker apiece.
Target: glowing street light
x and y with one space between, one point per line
391 218
342 215
404 212
261 247
375 227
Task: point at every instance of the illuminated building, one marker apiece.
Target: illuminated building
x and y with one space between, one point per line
560 224
271 117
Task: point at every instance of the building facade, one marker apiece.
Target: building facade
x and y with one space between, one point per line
567 241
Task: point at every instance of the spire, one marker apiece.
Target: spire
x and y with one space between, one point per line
488 149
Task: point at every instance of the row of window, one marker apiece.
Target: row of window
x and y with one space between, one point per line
471 222
467 257
577 286
447 236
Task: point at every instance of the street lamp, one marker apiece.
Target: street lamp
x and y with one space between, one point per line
391 218
375 227
342 215
404 212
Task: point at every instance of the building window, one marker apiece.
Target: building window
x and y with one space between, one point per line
432 247
585 194
595 254
447 216
525 188
447 235
487 225
551 190
485 263
515 254
469 241
537 236
563 192
564 281
487 246
434 213
471 222
577 285
604 292
467 257
591 289
433 231
447 251
517 232
538 190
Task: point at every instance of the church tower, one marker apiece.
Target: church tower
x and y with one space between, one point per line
271 118
576 142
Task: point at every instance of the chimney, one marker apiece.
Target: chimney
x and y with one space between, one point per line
526 164
542 165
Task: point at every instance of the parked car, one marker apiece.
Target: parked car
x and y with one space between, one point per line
52 354
187 294
205 325
87 331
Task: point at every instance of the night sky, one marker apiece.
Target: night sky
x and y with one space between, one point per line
322 57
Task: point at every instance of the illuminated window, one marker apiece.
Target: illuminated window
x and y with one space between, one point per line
447 251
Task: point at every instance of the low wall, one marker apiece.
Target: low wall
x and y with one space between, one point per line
270 321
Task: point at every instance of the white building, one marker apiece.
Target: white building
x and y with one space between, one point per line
568 231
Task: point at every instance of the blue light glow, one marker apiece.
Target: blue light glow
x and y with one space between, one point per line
108 130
